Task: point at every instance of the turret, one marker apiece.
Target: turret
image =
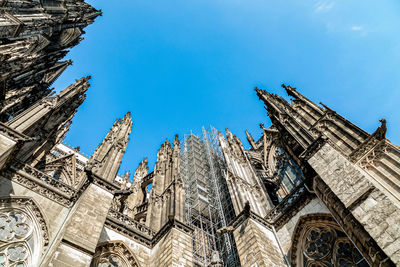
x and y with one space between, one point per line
167 198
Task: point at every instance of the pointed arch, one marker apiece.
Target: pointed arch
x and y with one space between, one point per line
114 252
319 241
23 232
63 168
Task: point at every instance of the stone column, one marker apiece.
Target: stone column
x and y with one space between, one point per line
82 230
257 246
175 248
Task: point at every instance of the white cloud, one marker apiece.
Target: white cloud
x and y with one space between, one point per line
323 6
356 28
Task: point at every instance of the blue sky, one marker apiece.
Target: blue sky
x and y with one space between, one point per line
180 64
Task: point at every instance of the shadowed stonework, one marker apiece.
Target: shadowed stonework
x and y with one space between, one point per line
312 190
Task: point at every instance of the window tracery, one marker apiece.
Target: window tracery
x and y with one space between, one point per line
319 242
279 173
23 233
113 254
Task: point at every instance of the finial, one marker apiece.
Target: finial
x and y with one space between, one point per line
176 139
127 116
291 91
258 90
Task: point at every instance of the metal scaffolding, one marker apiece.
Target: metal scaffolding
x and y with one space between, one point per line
208 204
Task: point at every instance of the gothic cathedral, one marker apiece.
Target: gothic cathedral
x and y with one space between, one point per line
313 190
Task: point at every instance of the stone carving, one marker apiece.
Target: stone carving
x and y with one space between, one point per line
319 241
115 215
114 254
41 183
23 232
106 159
34 39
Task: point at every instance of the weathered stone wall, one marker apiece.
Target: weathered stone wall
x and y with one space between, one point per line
257 245
379 216
285 233
381 219
142 253
174 249
84 227
67 256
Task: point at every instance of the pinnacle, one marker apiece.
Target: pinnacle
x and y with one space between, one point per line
127 117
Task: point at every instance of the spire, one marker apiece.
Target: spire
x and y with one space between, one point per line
229 135
176 143
250 139
32 120
273 103
107 157
48 120
164 151
55 72
141 171
291 91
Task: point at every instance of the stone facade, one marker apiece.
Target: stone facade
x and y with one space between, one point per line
313 190
257 245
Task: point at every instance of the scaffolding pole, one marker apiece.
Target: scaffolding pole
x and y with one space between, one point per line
202 170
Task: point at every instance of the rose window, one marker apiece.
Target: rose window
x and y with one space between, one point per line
325 246
16 239
318 242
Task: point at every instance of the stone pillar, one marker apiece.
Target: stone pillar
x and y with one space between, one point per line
367 215
83 228
257 246
174 249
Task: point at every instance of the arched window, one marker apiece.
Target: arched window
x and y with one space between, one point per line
23 232
318 241
113 254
